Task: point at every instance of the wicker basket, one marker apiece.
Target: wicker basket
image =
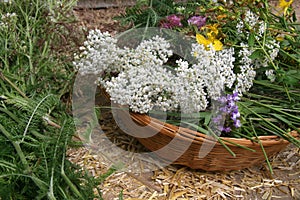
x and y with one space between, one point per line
218 159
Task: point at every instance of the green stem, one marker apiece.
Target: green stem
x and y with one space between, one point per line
10 114
262 148
289 55
148 19
63 174
13 85
266 97
220 141
287 91
281 133
266 53
28 32
17 147
275 109
275 87
32 115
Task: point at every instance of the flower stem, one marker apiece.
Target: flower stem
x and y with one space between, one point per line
262 148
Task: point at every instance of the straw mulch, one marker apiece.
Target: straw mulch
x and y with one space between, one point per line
177 182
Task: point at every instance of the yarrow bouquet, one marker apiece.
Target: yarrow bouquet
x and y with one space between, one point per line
243 56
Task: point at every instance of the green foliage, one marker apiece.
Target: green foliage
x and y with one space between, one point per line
33 161
28 34
35 125
147 12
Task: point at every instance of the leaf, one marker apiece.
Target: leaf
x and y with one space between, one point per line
257 54
198 128
251 40
207 118
289 80
121 195
282 119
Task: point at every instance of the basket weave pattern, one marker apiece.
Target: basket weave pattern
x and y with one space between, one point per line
218 159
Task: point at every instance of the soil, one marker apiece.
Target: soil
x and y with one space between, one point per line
177 182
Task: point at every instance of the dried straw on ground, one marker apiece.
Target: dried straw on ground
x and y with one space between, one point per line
177 182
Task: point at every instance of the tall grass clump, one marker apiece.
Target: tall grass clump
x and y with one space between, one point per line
35 81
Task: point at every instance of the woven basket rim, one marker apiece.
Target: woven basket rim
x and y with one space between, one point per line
217 158
188 134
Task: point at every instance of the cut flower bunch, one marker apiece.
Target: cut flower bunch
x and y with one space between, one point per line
243 56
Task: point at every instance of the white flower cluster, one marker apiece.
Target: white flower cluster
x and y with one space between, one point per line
141 80
215 68
143 88
188 87
272 50
100 54
6 19
190 90
270 74
248 66
251 21
247 73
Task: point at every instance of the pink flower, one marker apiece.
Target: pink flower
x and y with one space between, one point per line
172 21
199 21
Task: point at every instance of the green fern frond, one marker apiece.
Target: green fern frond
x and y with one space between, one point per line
146 13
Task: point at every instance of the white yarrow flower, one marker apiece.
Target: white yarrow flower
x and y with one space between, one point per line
141 81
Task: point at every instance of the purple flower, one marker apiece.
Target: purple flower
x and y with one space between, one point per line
217 119
235 115
231 110
237 123
231 105
199 21
166 25
222 99
235 96
226 129
172 21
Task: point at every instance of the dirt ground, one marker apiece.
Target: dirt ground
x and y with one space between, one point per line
177 182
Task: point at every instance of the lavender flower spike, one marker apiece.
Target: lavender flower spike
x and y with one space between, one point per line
199 21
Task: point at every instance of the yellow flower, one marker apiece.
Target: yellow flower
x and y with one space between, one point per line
284 5
202 40
221 8
213 28
222 16
211 38
217 44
